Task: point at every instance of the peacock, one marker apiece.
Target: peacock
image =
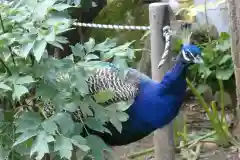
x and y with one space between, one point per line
155 104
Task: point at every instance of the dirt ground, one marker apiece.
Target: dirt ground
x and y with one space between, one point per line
196 118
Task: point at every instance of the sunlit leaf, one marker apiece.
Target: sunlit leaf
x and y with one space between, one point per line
103 96
89 45
18 91
5 87
50 37
25 136
61 6
91 57
25 80
122 116
39 48
26 48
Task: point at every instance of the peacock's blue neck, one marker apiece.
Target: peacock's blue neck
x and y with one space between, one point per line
180 68
175 79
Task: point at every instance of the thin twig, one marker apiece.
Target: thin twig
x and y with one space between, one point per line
9 47
5 66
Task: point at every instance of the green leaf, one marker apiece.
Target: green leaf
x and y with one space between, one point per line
4 153
50 37
41 9
204 70
61 39
40 145
120 63
103 96
89 45
121 106
39 48
19 90
46 91
26 48
25 125
122 116
106 45
224 74
80 142
71 107
64 146
94 124
24 80
25 136
5 87
224 35
97 146
117 124
121 51
65 122
50 127
201 88
78 81
85 109
31 116
223 46
90 57
56 44
225 58
78 50
61 6
28 121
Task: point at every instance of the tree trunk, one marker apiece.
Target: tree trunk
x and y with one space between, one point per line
234 18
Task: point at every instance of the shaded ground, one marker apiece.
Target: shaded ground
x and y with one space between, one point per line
197 120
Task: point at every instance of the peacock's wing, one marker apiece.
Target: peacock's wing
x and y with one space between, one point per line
123 89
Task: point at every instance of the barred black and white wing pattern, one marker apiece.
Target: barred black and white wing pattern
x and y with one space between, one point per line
108 79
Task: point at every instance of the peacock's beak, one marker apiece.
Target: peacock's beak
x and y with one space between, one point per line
198 60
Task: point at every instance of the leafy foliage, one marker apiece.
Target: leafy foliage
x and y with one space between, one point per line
41 96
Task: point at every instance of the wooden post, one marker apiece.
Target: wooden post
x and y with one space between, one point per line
159 17
234 19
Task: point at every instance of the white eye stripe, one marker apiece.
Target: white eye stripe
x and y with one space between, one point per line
191 54
185 56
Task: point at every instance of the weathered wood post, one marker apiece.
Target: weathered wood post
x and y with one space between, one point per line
234 18
159 17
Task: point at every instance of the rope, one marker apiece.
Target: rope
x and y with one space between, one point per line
111 26
167 34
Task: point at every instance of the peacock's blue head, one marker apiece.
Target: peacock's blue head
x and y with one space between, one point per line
191 54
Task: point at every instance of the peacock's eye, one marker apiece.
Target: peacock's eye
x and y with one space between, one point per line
188 55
